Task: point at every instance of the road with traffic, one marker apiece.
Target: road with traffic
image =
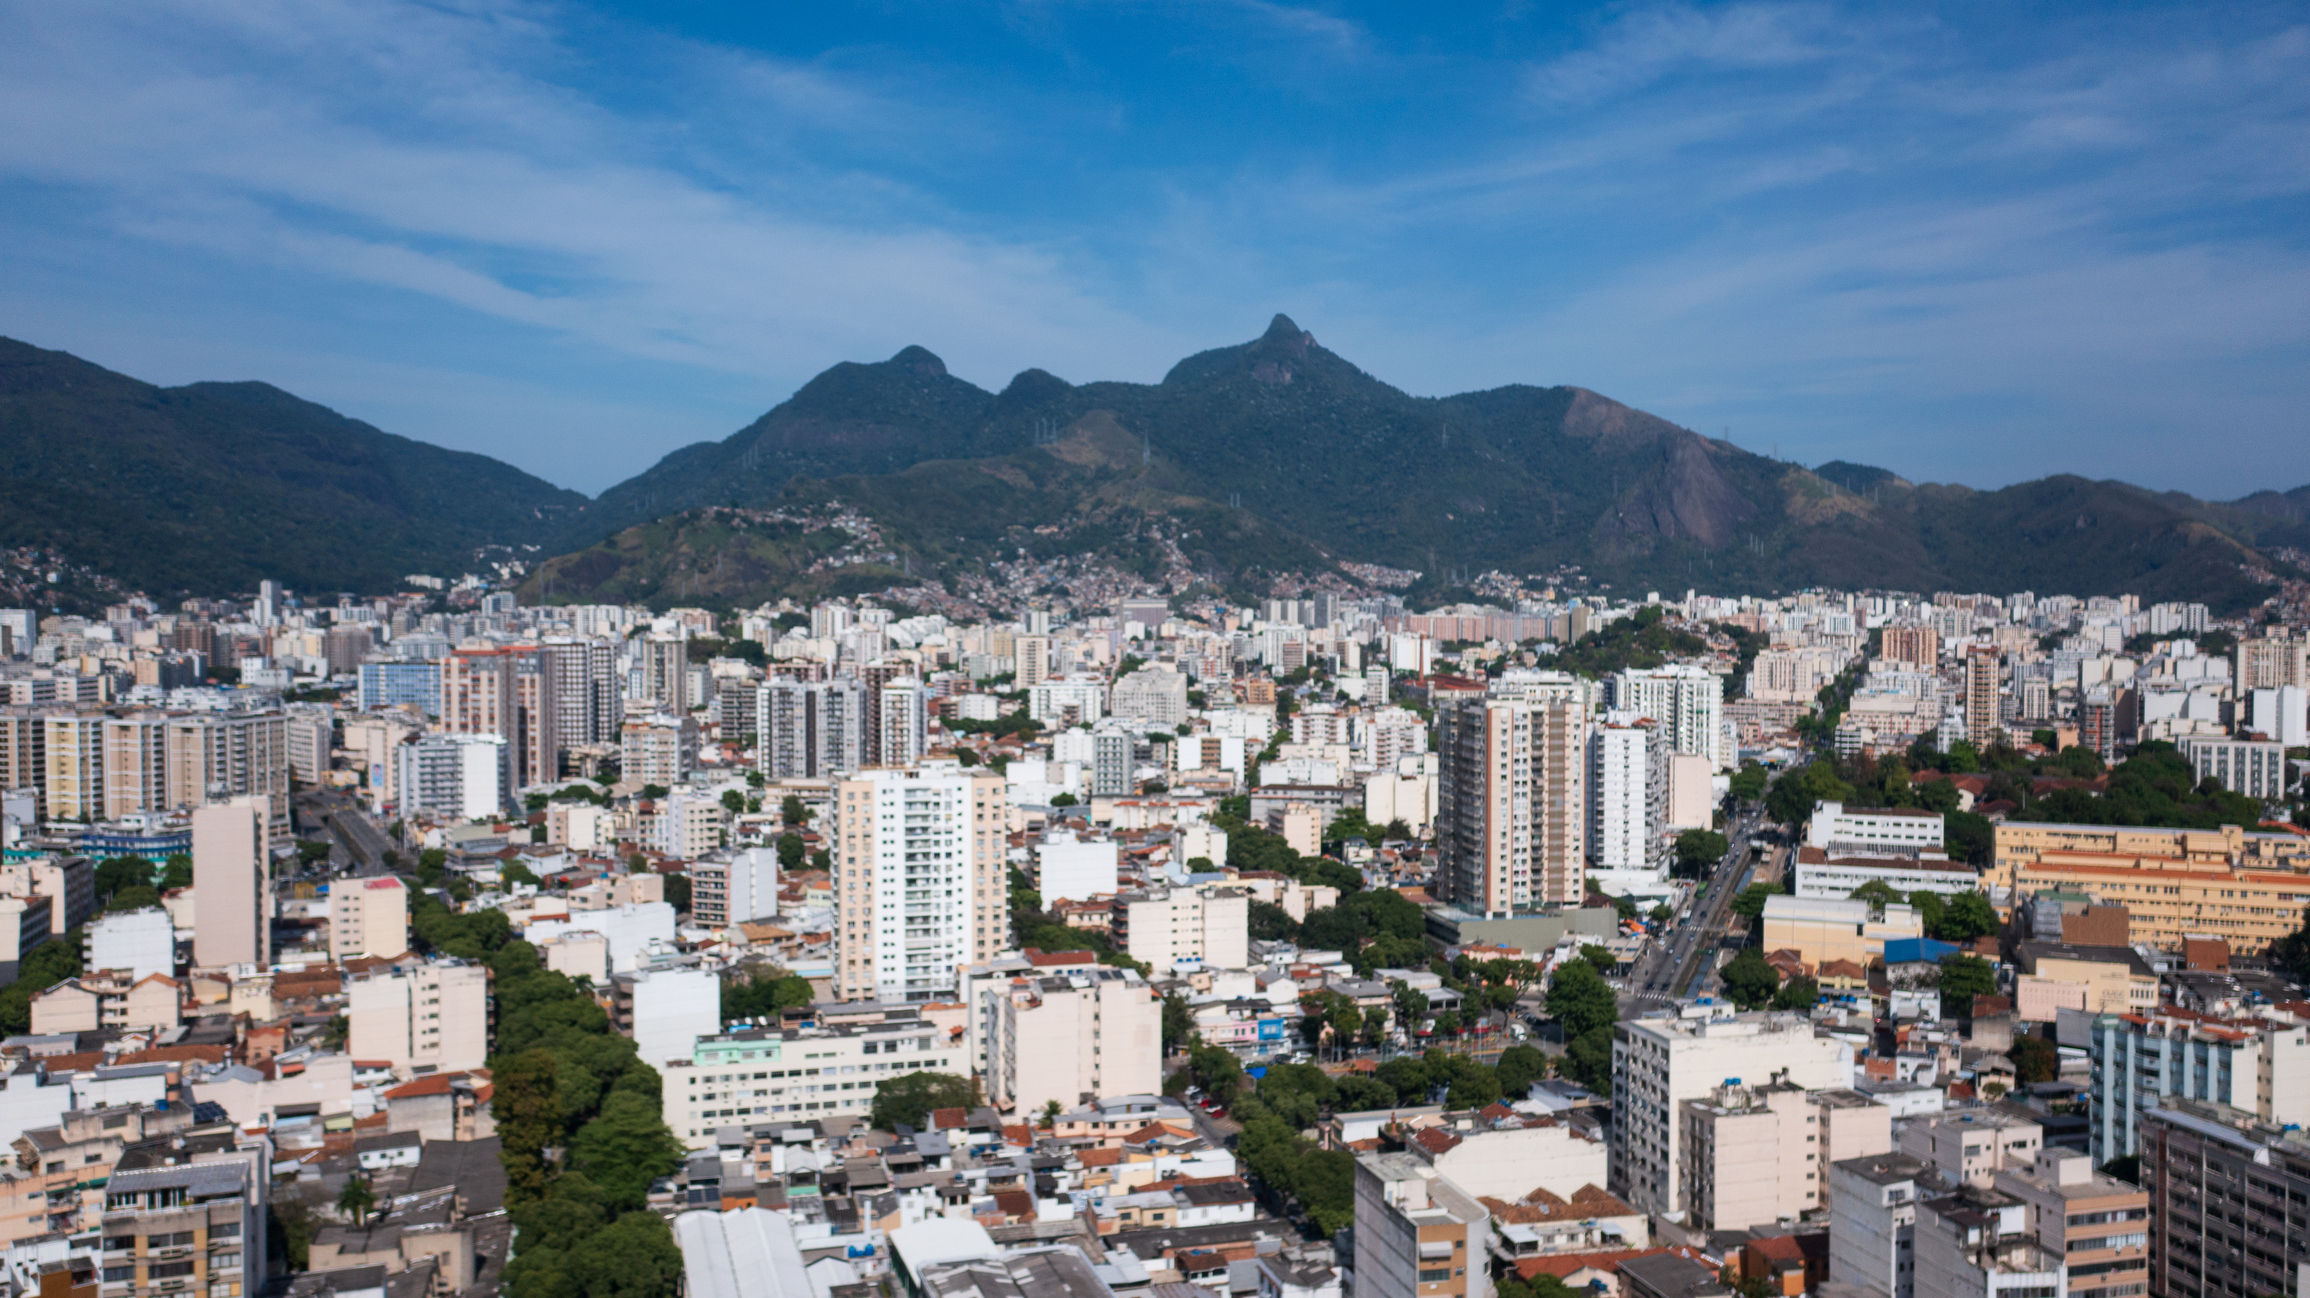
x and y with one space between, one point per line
1681 961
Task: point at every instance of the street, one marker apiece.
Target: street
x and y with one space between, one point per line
1684 963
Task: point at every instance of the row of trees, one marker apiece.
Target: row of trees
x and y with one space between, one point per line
578 1115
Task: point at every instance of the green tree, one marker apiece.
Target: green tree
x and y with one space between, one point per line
1698 850
517 875
909 1098
1581 1000
1966 916
1748 981
1750 905
176 872
1797 994
118 872
528 1111
1599 957
791 850
1964 977
1748 783
1178 1022
766 994
1519 1067
133 899
1272 923
733 802
2034 1060
1589 1060
1931 910
1878 893
791 811
356 1199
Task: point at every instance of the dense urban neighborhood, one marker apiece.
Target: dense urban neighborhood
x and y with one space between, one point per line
1837 943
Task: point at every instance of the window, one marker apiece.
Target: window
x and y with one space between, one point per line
1436 1275
168 1270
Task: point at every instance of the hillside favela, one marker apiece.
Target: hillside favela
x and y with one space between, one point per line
1679 764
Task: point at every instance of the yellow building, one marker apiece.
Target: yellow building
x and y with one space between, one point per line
1824 929
2024 843
2168 899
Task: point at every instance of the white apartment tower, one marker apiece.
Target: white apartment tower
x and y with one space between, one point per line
1658 1064
1687 701
810 729
1627 795
433 1015
1073 1034
904 721
1512 803
919 877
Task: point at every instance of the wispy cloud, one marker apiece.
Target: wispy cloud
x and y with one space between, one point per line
1990 242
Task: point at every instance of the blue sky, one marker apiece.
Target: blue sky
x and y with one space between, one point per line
1972 244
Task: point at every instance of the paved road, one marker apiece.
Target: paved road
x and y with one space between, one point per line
358 837
1683 964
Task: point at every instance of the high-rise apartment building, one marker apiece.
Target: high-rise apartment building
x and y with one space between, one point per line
1627 798
215 755
665 665
2097 1224
1071 1034
810 729
392 683
731 887
311 733
659 750
368 917
135 773
1512 804
1687 701
432 1015
460 777
1917 646
1983 725
1754 1154
74 758
918 854
1032 656
186 1214
2259 1064
507 691
1658 1064
1183 929
589 706
2226 1191
1113 759
1873 1221
903 721
232 894
23 748
1157 693
2269 661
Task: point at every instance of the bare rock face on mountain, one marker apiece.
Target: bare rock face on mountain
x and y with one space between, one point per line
1688 500
1611 426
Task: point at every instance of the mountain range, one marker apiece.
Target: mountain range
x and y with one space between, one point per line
1245 463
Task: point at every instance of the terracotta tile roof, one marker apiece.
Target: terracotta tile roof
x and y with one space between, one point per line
1435 1140
1561 1265
949 1119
